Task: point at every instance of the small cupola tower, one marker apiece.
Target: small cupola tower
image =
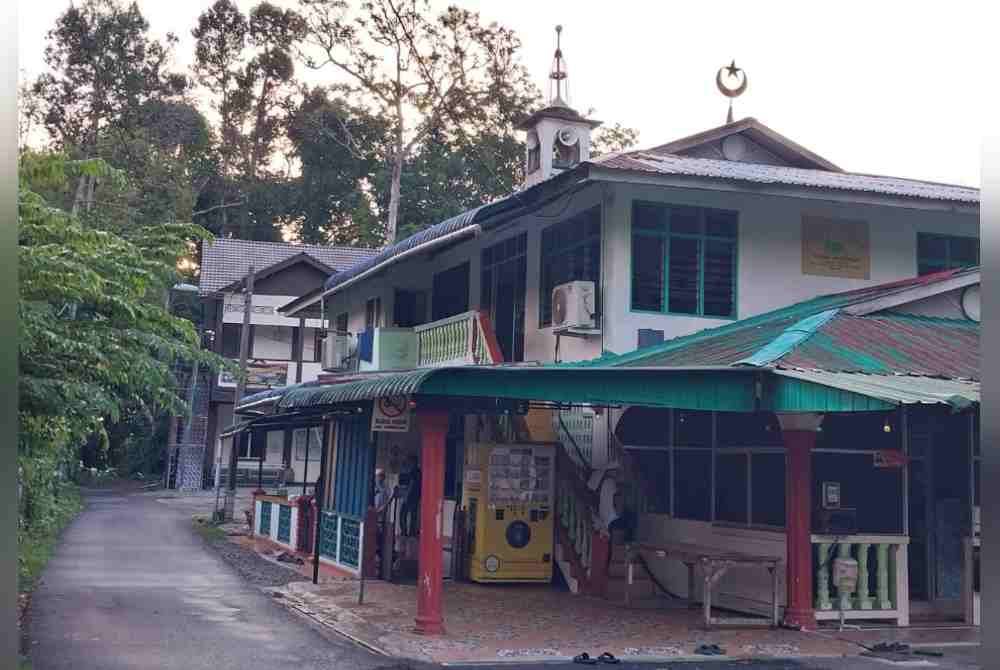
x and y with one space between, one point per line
558 137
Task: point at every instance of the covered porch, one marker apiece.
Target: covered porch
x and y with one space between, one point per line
793 401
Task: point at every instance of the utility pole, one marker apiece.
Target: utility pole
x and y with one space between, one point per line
230 504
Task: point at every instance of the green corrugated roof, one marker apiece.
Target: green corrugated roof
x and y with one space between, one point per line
891 389
765 338
379 385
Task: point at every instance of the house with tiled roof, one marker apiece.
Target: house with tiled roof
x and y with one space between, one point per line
729 251
281 350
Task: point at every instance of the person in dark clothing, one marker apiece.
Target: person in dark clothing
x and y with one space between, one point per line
409 484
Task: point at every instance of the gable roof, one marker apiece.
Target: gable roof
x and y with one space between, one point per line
226 260
757 173
273 269
793 153
824 176
821 334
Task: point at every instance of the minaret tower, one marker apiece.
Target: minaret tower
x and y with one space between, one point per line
558 137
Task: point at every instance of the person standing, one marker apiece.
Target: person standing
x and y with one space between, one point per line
409 484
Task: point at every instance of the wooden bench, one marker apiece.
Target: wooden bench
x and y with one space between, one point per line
713 563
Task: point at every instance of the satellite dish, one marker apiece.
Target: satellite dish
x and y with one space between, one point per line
567 136
971 303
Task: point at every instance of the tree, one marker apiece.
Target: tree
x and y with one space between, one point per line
103 67
339 148
96 343
419 73
245 65
611 139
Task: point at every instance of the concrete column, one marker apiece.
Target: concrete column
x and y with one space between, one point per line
433 426
799 433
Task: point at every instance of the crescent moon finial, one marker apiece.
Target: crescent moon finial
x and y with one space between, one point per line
731 72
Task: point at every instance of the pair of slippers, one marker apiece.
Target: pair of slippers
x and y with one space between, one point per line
710 650
606 657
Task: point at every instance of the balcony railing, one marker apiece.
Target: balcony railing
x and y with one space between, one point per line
884 597
463 339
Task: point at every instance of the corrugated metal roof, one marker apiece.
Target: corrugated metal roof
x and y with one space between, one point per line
446 227
226 260
741 340
377 385
895 389
892 344
670 164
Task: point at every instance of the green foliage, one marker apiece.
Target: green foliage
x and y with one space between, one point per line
611 139
97 346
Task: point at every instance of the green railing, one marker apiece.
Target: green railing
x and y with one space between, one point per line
881 590
456 340
265 519
284 524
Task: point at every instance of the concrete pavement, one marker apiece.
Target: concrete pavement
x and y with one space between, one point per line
132 586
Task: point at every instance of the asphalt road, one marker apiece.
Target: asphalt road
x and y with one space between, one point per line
132 586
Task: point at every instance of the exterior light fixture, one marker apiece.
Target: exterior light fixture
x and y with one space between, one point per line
887 427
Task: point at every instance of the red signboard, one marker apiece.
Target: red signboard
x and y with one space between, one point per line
890 458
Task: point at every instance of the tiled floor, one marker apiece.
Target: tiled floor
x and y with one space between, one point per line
520 621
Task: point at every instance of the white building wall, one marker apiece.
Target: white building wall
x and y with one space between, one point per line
769 262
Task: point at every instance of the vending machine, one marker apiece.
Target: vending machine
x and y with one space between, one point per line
509 499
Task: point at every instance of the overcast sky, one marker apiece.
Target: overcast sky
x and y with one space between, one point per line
876 87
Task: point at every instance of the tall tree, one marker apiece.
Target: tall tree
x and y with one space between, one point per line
339 148
96 344
103 66
419 72
245 65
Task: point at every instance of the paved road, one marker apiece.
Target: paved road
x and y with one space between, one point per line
132 586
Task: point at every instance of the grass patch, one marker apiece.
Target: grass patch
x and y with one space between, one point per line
36 546
208 530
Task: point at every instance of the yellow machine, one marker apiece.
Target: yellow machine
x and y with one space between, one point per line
509 497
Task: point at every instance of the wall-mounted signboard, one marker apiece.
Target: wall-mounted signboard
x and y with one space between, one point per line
835 247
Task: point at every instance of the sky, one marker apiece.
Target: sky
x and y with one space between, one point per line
883 87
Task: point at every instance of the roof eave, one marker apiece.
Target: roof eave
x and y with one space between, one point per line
603 172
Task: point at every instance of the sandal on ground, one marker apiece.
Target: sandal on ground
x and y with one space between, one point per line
608 657
585 659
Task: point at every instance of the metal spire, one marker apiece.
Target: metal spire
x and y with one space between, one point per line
558 74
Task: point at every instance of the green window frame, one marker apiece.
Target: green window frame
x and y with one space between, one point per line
684 260
936 252
570 251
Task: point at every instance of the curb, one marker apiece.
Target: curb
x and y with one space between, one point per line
684 658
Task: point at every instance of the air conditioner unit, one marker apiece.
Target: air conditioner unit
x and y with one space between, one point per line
573 305
336 351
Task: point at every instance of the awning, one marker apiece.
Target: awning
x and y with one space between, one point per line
894 390
725 389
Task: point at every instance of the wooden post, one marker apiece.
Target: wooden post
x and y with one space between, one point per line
433 425
302 342
230 504
799 433
318 497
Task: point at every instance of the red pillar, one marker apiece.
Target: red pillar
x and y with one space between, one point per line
799 442
433 426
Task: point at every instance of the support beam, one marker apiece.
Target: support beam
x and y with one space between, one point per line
799 433
433 426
